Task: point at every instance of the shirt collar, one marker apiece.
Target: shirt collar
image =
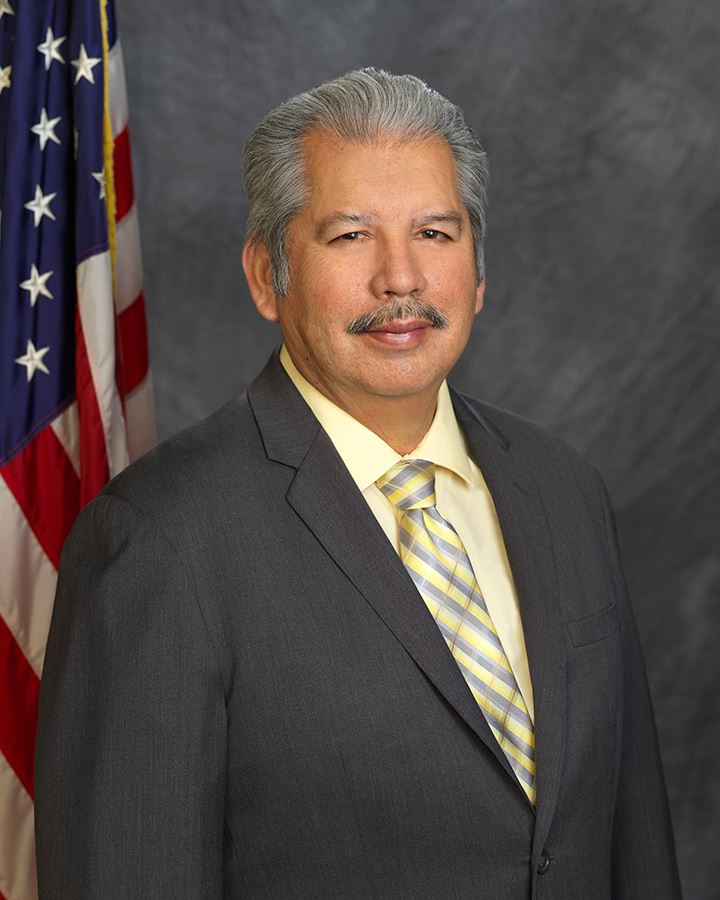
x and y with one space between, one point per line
367 456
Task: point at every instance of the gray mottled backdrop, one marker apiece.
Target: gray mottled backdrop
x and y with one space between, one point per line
602 122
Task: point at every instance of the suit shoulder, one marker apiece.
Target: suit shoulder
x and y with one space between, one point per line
187 463
533 442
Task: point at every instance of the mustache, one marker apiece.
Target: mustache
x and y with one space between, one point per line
396 311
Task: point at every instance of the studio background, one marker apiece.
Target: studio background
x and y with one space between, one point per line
602 124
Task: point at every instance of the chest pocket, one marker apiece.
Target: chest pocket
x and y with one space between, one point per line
594 628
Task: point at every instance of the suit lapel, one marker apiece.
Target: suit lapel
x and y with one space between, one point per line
530 552
327 500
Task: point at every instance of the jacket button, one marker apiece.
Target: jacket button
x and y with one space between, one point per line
543 863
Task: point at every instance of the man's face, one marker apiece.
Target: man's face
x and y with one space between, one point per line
383 234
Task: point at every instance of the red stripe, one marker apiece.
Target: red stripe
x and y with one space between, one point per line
124 193
93 455
132 347
18 708
47 489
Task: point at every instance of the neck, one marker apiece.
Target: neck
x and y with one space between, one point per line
402 422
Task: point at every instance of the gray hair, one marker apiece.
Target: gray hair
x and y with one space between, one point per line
362 106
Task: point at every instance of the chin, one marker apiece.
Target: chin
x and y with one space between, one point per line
405 385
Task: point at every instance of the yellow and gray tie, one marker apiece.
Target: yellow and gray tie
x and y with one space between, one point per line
440 567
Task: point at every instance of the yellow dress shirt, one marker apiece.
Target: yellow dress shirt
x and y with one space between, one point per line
462 498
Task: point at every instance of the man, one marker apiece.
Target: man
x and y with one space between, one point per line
354 635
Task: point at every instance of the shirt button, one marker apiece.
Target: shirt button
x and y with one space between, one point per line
543 863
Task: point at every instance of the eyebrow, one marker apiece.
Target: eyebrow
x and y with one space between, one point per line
343 218
437 218
340 217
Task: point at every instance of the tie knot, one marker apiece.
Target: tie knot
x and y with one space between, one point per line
409 484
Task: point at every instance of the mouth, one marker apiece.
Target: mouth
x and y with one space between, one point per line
404 333
400 326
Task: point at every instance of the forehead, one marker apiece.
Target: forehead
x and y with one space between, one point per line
387 173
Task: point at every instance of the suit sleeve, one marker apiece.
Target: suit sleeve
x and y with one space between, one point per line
130 754
643 852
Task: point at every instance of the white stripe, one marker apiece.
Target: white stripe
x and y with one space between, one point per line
67 430
118 90
18 880
140 418
97 315
128 267
27 581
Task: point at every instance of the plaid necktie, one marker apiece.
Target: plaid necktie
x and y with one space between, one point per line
440 567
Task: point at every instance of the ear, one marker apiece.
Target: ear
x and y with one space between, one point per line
256 265
479 296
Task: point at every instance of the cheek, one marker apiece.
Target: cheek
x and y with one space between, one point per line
333 303
452 278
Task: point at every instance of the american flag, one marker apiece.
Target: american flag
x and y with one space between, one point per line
75 391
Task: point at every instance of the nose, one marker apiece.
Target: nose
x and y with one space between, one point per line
397 272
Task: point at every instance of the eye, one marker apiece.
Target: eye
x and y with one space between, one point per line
432 234
350 236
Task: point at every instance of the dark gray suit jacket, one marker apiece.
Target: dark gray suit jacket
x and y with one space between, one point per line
245 696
